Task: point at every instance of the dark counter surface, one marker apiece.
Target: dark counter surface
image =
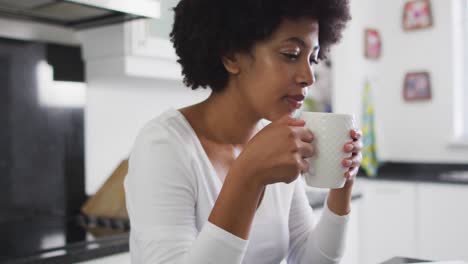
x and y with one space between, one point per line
421 172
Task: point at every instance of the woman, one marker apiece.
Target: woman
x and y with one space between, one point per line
213 183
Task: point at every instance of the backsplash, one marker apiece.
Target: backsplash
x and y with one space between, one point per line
41 154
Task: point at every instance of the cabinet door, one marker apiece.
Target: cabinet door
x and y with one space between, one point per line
387 221
150 37
443 221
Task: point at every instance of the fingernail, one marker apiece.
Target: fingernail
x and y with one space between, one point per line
349 147
348 162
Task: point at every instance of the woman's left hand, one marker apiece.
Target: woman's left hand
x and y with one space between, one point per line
354 146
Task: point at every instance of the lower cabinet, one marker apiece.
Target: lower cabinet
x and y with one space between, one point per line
387 220
121 258
410 219
443 221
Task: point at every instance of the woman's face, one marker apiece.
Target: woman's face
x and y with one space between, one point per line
273 79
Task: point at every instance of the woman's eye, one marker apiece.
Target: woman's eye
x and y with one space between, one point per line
295 57
291 56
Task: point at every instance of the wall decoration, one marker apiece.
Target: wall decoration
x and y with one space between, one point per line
373 44
417 86
417 14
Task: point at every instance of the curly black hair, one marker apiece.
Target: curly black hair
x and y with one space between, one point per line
206 30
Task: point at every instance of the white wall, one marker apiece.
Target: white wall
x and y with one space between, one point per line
418 132
115 112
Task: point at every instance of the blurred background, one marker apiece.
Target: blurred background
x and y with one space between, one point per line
78 80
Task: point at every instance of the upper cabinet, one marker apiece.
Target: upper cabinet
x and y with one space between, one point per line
150 37
139 48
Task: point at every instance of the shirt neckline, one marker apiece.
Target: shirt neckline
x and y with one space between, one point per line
198 144
189 127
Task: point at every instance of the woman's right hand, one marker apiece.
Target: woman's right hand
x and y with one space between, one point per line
277 152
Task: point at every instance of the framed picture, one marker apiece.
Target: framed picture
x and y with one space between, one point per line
373 44
417 86
417 14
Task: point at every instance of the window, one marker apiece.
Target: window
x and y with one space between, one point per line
460 56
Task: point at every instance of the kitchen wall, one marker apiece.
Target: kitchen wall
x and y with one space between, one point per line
116 111
406 132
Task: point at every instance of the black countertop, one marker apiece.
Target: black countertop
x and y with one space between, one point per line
421 172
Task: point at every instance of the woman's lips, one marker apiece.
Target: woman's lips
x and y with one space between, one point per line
295 101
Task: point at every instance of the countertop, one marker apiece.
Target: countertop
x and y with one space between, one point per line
421 172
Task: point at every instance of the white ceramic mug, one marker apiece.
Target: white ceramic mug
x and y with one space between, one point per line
332 132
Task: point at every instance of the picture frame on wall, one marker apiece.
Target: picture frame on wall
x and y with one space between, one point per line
417 86
373 44
417 14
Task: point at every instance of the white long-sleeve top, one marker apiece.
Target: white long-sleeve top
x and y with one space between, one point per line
171 188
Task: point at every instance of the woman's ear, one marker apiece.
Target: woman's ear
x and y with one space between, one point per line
231 63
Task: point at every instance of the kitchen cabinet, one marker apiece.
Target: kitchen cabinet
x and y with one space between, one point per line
139 48
413 219
387 220
150 37
122 258
442 221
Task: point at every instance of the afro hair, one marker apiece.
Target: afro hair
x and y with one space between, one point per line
206 30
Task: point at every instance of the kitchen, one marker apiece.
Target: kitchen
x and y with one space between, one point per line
412 208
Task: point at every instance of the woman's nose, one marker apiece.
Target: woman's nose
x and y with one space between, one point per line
306 77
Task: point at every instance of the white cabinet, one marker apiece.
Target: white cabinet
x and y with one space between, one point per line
442 221
409 219
150 37
387 220
139 48
122 258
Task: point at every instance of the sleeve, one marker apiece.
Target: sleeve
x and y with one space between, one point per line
321 243
161 197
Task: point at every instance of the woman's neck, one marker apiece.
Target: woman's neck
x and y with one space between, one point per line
224 118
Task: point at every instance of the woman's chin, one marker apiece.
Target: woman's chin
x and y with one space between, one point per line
275 115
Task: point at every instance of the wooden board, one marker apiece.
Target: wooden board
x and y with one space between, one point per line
109 200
